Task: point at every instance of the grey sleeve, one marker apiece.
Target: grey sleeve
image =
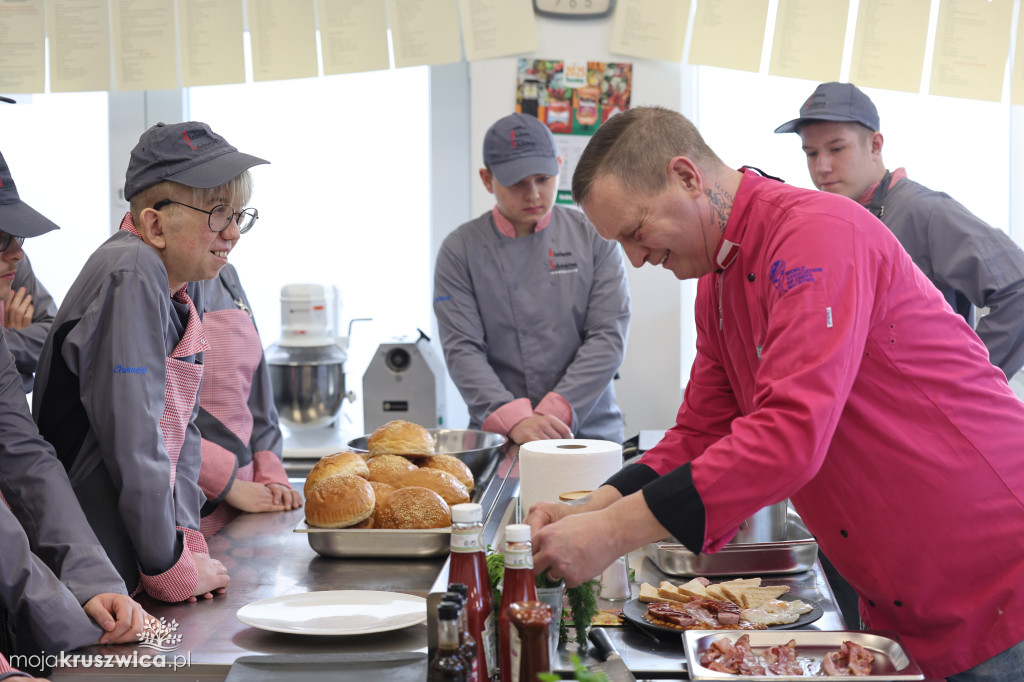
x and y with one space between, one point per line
988 268
26 344
36 486
30 589
266 431
125 326
604 335
462 333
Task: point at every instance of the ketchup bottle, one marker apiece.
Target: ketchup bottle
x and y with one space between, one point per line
518 586
531 620
468 565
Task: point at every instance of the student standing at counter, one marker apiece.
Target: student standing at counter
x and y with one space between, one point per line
828 371
973 264
58 591
116 391
532 305
26 309
242 468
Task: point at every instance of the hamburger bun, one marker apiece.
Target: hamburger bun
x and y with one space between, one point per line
400 438
389 469
441 482
339 502
381 490
335 465
413 508
454 466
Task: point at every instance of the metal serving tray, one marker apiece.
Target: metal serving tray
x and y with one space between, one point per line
795 554
379 542
891 662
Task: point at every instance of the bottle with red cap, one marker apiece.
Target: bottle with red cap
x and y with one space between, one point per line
468 565
519 585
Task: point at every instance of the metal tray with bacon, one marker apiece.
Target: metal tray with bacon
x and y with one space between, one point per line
891 661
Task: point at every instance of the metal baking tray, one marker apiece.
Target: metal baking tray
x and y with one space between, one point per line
795 554
377 542
891 662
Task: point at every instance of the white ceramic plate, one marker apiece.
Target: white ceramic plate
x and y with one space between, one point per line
335 612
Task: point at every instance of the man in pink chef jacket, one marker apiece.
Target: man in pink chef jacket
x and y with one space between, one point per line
829 371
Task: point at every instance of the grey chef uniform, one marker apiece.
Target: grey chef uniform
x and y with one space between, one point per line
27 343
100 400
44 535
520 317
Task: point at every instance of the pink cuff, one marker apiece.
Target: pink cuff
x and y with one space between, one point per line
216 470
503 419
554 405
177 583
268 468
5 667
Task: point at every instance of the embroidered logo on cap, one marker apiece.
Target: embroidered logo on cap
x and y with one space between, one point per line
512 138
188 141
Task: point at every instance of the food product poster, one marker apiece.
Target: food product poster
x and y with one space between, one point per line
572 99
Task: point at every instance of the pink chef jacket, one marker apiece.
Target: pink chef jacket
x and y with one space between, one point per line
830 371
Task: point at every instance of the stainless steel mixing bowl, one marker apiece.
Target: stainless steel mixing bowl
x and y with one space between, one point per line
476 448
308 383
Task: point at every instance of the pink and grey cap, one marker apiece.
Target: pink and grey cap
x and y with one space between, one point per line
16 217
188 153
835 102
518 146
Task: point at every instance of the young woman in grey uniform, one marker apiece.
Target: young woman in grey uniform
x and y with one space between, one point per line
27 315
58 591
117 385
242 468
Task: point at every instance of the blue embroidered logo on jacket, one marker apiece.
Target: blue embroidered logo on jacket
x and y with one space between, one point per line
121 369
784 279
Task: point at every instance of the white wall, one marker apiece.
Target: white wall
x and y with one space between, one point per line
649 387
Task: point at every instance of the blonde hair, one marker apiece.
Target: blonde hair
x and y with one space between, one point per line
238 192
636 147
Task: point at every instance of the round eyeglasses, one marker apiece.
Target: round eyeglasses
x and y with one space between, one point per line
6 239
221 216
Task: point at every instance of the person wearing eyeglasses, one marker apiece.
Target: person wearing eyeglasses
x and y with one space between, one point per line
26 307
242 469
117 386
58 590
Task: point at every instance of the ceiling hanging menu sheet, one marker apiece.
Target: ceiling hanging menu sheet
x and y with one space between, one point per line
353 35
424 32
79 45
497 28
729 34
145 57
212 52
1017 76
889 43
22 35
972 42
809 37
283 39
650 29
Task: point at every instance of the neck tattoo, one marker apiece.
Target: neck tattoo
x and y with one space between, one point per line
721 202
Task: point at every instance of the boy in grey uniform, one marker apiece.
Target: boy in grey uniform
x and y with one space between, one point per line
116 390
532 304
58 591
973 264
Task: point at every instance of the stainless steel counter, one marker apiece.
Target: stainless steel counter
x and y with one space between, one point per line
265 559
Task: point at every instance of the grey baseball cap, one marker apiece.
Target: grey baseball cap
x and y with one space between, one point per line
16 217
835 102
189 153
518 146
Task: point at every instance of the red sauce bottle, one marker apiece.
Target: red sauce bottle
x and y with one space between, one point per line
531 619
468 565
518 586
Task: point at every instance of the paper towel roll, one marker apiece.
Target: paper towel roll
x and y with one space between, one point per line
550 467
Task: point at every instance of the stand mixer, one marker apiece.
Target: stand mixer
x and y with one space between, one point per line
307 363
